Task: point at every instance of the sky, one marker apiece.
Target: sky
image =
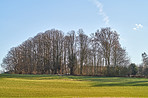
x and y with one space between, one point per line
22 19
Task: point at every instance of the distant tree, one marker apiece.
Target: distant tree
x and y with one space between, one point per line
83 43
144 65
52 52
132 69
145 59
140 70
120 60
71 47
108 41
145 71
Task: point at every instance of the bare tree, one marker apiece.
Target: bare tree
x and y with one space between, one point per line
53 53
71 48
82 41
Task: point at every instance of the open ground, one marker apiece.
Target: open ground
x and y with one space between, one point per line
14 85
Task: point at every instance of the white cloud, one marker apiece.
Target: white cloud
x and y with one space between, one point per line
134 28
138 26
101 12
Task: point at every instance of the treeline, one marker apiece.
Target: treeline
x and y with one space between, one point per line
75 53
143 67
139 70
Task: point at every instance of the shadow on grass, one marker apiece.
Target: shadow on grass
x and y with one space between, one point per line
132 83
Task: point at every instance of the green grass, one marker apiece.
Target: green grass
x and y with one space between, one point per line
14 85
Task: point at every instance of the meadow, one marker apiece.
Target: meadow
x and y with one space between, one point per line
15 85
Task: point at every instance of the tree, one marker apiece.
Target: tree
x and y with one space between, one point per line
120 61
71 46
107 40
145 59
132 69
144 65
52 52
82 41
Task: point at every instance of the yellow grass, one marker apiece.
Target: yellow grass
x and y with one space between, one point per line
71 86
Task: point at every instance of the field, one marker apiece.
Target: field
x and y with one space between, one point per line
14 85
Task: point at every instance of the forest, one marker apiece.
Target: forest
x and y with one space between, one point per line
74 53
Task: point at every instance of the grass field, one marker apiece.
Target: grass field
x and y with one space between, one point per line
71 86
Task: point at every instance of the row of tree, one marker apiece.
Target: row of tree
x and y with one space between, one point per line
139 70
143 68
52 52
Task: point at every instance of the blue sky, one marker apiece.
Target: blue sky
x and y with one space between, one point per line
21 19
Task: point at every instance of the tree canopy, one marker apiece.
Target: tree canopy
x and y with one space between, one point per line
53 52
